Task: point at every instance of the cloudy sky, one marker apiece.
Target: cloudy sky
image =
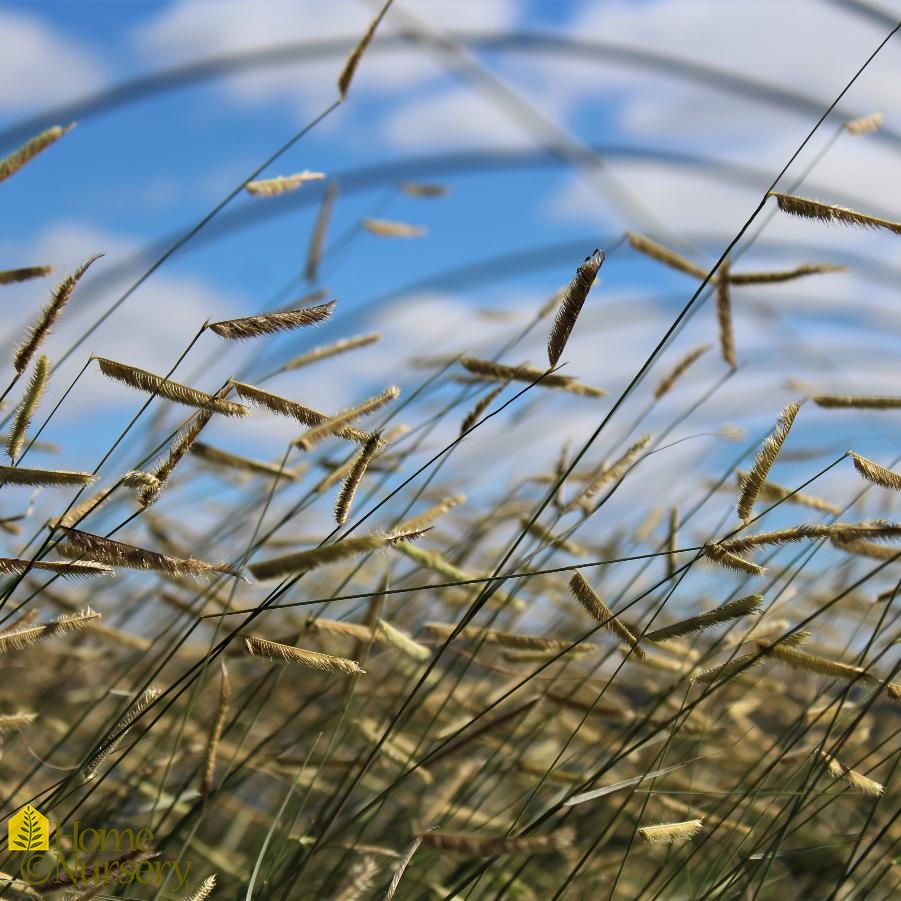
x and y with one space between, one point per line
555 125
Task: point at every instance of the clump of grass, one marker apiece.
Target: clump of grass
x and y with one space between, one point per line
446 718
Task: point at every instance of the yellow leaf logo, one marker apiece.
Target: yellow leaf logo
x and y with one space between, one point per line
28 830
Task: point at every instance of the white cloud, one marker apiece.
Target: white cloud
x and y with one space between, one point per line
150 330
454 118
803 47
39 66
195 29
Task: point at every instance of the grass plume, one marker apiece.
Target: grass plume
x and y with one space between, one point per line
326 351
272 323
766 456
599 611
38 333
875 473
281 184
571 306
19 639
667 833
387 229
283 653
141 380
355 476
30 149
304 561
827 212
746 606
83 545
668 382
26 273
27 406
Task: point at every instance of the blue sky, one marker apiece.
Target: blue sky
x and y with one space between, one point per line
142 172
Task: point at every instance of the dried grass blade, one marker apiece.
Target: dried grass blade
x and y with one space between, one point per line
627 783
488 370
672 542
548 538
204 890
429 516
865 548
10 721
360 879
731 669
275 403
